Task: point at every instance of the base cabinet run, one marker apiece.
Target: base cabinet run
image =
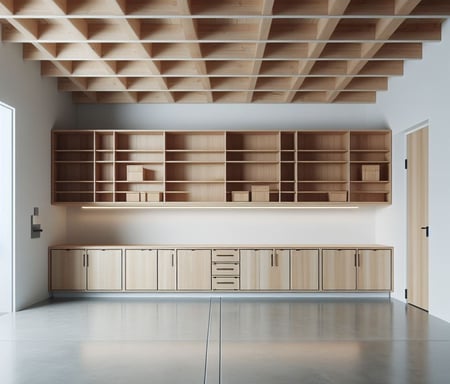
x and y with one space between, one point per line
150 268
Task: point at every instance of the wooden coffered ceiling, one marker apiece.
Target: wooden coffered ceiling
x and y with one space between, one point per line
222 51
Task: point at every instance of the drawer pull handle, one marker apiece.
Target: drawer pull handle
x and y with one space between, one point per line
225 255
225 282
225 269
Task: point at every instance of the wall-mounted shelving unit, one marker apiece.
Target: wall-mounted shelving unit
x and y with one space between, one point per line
193 167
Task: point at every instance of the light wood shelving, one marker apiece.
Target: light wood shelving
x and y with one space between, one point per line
209 167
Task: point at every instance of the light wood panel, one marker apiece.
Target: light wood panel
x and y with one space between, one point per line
339 269
305 269
131 51
104 269
68 270
141 271
167 270
194 269
374 269
418 280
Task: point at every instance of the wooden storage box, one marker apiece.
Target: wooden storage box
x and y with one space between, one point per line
133 197
370 172
240 196
260 193
154 196
337 196
135 173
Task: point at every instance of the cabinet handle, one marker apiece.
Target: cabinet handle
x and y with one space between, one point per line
359 260
225 283
225 269
271 260
87 260
84 260
224 255
173 263
276 259
355 261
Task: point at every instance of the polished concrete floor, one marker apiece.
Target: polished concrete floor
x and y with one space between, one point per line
264 341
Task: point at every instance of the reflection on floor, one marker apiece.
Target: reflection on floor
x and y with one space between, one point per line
225 341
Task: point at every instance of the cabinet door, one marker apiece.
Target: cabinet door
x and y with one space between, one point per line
305 269
374 269
276 275
167 270
68 272
264 269
194 269
338 269
140 269
104 269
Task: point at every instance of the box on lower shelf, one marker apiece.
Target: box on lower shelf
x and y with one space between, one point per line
143 197
370 172
260 193
338 196
240 196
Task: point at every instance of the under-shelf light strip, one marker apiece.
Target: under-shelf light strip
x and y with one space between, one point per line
215 207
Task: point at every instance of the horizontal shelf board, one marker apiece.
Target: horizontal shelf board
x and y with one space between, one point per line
253 181
321 162
253 162
322 150
324 181
370 182
73 162
161 151
140 182
74 181
370 162
367 192
195 181
369 150
74 150
74 192
104 150
125 162
195 150
180 162
252 150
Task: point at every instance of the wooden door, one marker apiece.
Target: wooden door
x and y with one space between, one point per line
194 269
141 269
68 272
104 269
167 270
417 147
374 270
305 269
338 269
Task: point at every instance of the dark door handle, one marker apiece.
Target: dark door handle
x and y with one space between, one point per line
427 230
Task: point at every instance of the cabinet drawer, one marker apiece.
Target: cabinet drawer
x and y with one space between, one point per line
228 269
225 255
225 283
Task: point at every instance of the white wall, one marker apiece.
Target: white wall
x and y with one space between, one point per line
224 226
422 94
39 108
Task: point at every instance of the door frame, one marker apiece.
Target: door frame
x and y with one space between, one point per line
422 125
7 272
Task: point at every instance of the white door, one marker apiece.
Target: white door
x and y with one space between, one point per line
417 171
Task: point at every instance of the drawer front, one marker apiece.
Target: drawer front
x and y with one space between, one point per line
225 283
227 269
225 255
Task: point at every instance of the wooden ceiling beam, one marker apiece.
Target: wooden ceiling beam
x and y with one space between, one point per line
325 29
385 28
263 33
